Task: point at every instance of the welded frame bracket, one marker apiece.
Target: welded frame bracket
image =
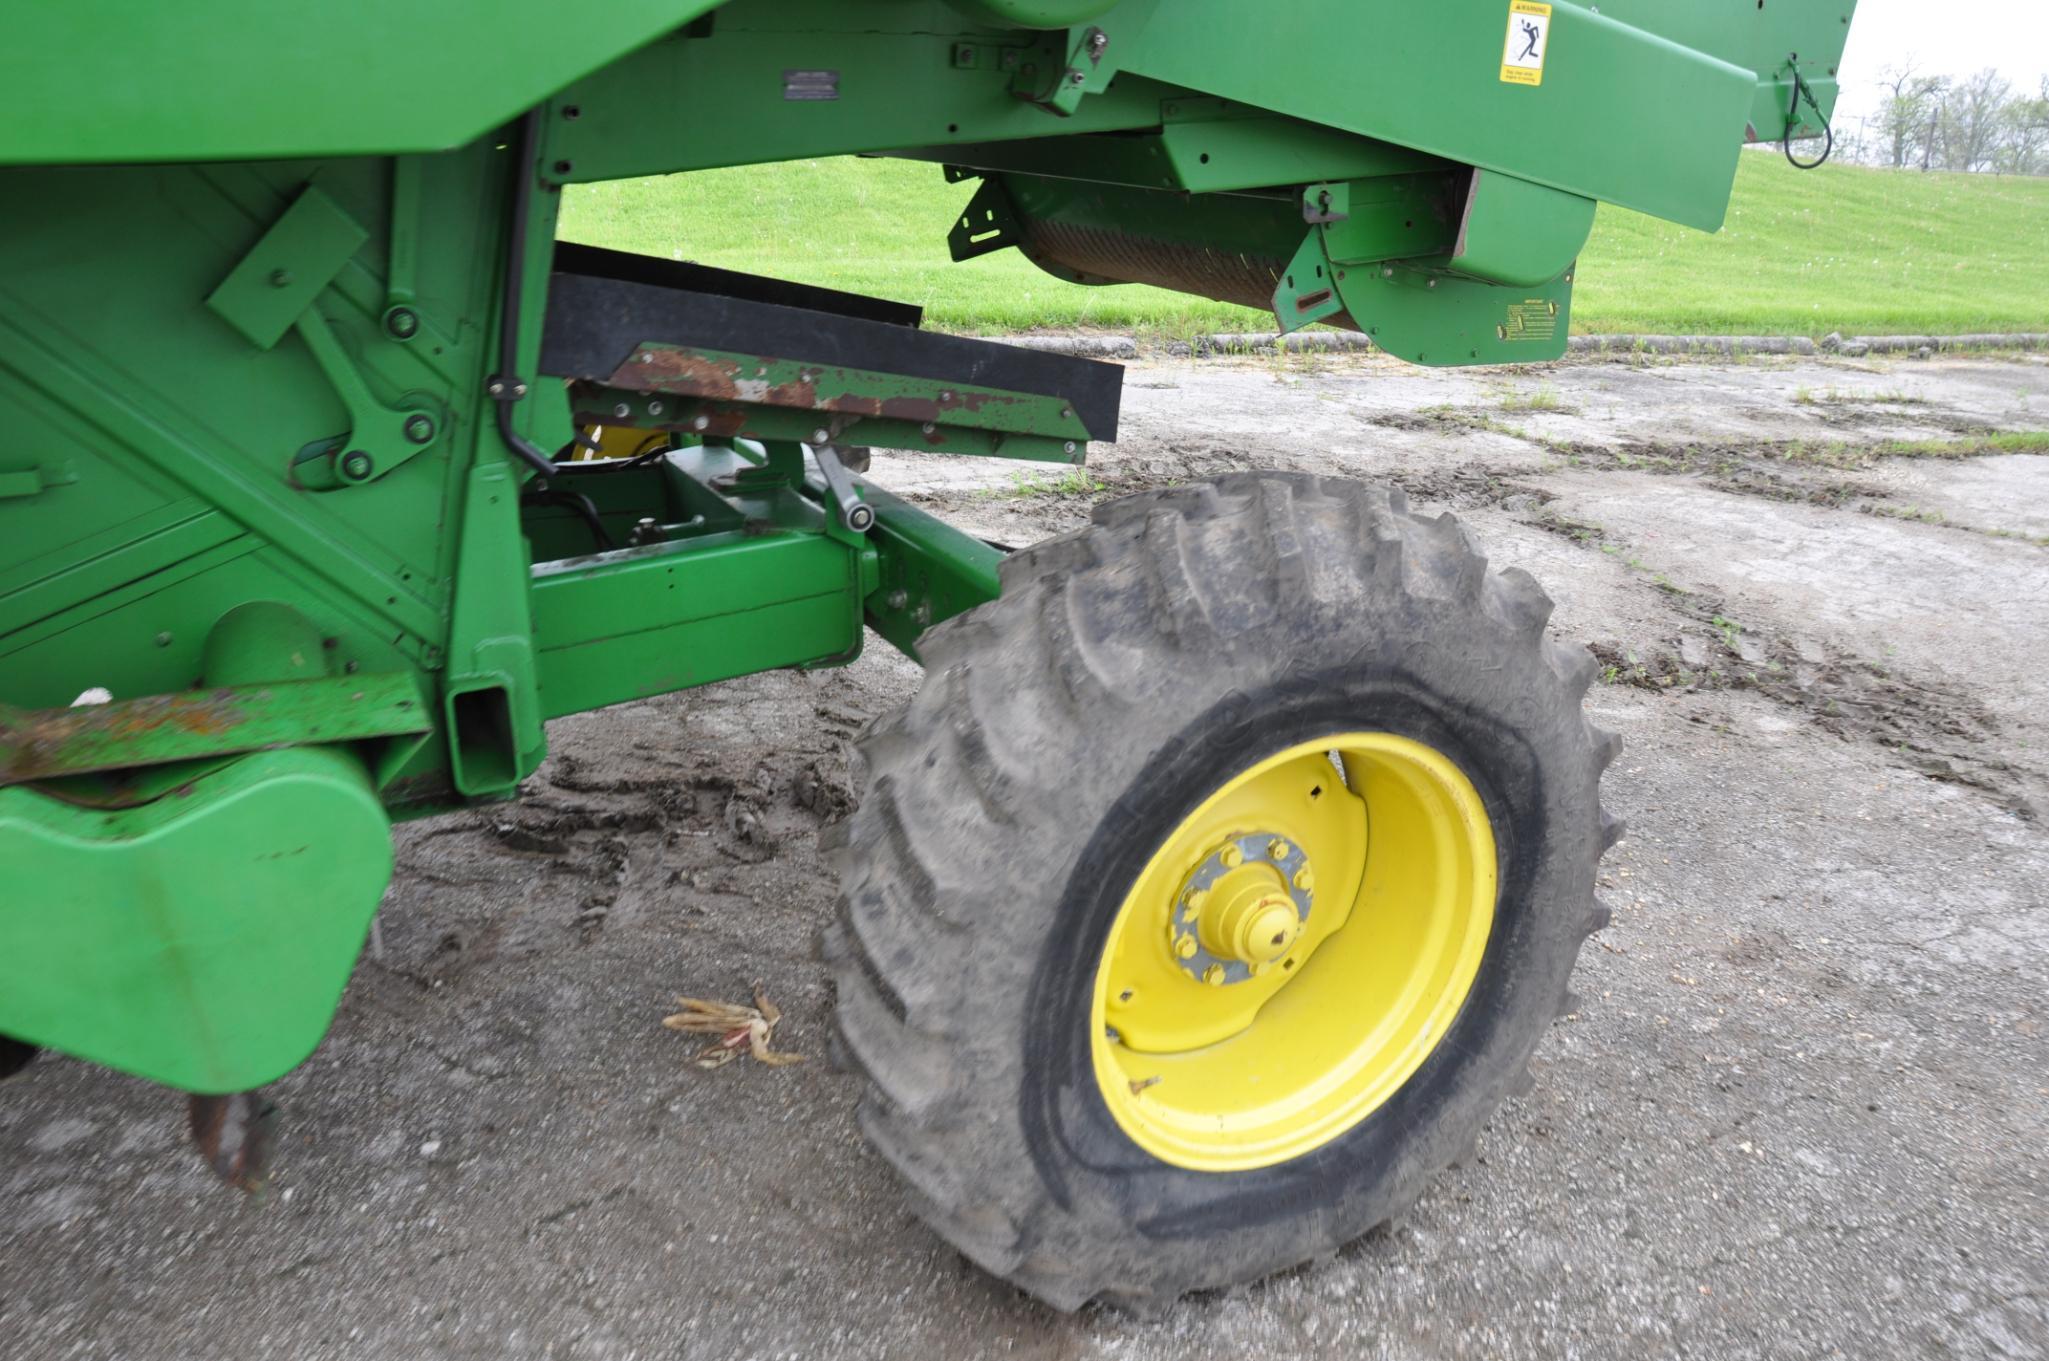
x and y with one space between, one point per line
988 224
1085 71
1323 203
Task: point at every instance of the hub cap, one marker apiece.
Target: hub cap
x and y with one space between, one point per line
1293 951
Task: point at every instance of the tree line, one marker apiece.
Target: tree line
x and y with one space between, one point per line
1973 123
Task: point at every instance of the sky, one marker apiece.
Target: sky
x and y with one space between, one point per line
1943 37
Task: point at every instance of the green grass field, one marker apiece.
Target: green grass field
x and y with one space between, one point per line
1847 249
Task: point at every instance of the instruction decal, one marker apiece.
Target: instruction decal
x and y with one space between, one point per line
1529 36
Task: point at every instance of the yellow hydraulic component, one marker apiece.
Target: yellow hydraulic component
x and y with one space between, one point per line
614 441
1293 951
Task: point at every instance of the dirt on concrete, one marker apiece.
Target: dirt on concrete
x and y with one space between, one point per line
1802 1110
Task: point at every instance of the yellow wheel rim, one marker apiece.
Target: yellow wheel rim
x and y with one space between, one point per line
1293 951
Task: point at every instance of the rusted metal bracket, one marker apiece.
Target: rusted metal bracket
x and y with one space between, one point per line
237 1135
41 744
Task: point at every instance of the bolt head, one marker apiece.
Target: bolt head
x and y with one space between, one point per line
700 423
1232 856
281 278
1069 447
1277 849
1214 975
1185 947
1075 77
821 436
621 411
356 464
401 323
419 429
928 428
654 408
1304 880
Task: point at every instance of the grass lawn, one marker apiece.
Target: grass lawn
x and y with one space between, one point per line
1843 248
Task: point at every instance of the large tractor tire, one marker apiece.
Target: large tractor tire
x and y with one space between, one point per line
1216 886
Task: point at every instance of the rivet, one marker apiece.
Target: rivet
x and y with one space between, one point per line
419 429
163 640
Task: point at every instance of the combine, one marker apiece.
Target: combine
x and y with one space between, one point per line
1231 859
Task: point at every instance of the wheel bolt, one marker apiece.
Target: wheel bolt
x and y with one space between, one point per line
1214 975
1304 880
1184 946
1277 849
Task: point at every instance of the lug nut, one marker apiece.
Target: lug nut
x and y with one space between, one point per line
1277 849
1214 975
1185 947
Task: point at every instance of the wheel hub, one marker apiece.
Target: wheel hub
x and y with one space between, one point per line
1242 909
1250 1008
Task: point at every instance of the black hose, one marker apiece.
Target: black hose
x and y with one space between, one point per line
578 502
1800 91
506 385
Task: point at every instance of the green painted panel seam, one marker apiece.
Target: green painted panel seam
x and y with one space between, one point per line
155 440
116 558
99 606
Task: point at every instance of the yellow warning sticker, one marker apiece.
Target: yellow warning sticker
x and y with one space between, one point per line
1529 34
1535 319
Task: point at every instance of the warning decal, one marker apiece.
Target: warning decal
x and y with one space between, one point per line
1536 319
1529 34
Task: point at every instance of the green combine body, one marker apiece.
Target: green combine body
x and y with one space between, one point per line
301 524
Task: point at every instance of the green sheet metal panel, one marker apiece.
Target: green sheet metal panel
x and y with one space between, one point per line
201 80
1620 114
200 940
